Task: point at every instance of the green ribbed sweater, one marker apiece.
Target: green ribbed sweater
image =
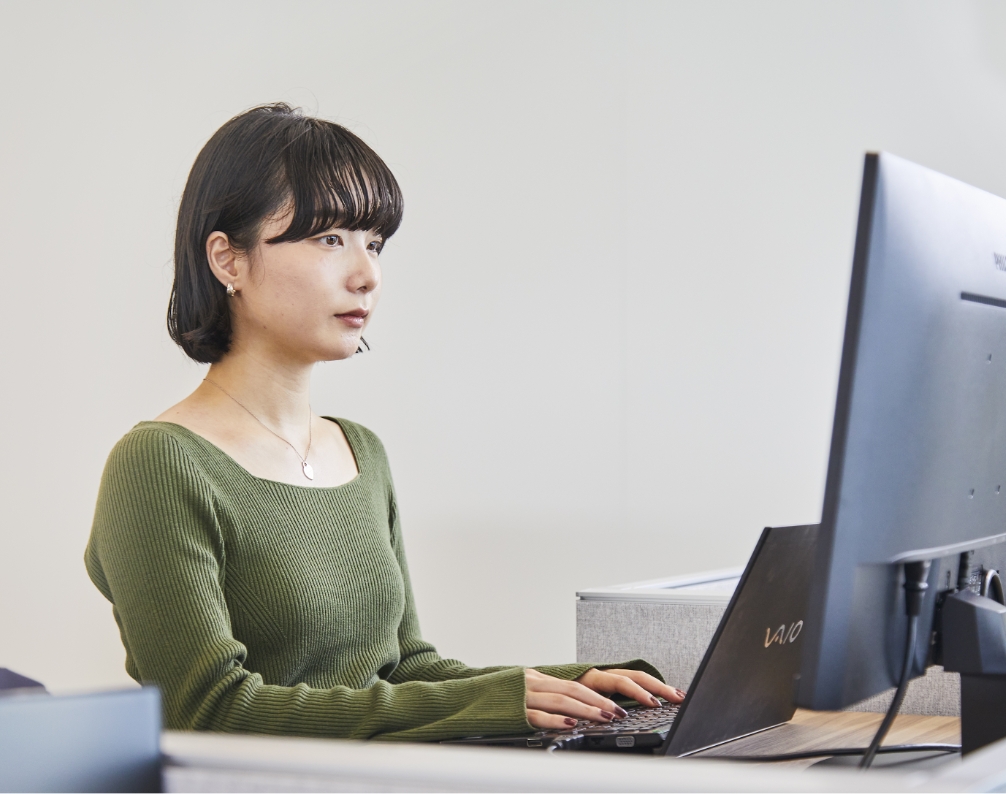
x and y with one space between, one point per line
272 608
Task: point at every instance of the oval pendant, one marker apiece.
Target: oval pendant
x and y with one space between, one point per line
308 471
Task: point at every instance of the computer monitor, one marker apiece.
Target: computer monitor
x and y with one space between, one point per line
917 469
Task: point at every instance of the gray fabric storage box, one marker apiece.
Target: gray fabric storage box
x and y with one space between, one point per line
669 622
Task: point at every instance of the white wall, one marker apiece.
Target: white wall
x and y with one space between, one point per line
609 341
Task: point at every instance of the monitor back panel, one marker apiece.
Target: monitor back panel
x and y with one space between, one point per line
917 468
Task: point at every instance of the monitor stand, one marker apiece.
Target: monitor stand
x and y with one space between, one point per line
973 629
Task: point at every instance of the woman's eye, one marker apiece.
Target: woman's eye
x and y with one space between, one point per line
331 240
376 245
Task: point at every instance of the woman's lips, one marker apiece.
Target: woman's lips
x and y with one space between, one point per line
353 319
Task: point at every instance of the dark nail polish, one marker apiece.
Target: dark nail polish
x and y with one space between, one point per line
607 715
654 701
570 721
621 712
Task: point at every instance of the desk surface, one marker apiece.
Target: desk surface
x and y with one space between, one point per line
818 730
229 762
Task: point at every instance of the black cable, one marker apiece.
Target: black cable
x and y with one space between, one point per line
899 695
916 584
805 754
565 743
964 570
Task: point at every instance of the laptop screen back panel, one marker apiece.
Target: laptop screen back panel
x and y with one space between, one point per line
746 680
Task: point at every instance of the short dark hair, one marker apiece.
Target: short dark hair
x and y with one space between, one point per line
256 164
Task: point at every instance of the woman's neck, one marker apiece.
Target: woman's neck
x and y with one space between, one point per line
277 394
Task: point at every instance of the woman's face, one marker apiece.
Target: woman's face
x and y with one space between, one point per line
309 300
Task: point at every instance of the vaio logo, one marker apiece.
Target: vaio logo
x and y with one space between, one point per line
783 635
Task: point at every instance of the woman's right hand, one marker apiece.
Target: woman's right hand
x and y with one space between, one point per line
555 704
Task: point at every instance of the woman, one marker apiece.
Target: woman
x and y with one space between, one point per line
252 550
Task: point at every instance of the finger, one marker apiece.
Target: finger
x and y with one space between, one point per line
624 685
575 690
549 722
642 687
555 703
653 685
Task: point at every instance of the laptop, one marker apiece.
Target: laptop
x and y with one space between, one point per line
745 682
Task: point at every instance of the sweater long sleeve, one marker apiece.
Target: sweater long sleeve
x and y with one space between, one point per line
259 606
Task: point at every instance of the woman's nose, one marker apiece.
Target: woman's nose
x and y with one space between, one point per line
365 275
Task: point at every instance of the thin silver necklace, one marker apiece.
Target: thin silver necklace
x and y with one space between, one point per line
304 465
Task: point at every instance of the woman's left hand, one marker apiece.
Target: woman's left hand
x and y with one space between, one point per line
635 684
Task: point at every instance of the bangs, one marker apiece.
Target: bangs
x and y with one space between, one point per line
334 180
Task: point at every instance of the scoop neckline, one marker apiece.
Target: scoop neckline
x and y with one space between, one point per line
201 439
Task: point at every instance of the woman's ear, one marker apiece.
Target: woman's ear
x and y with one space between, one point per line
223 259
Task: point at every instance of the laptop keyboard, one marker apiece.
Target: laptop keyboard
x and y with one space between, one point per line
639 719
642 729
